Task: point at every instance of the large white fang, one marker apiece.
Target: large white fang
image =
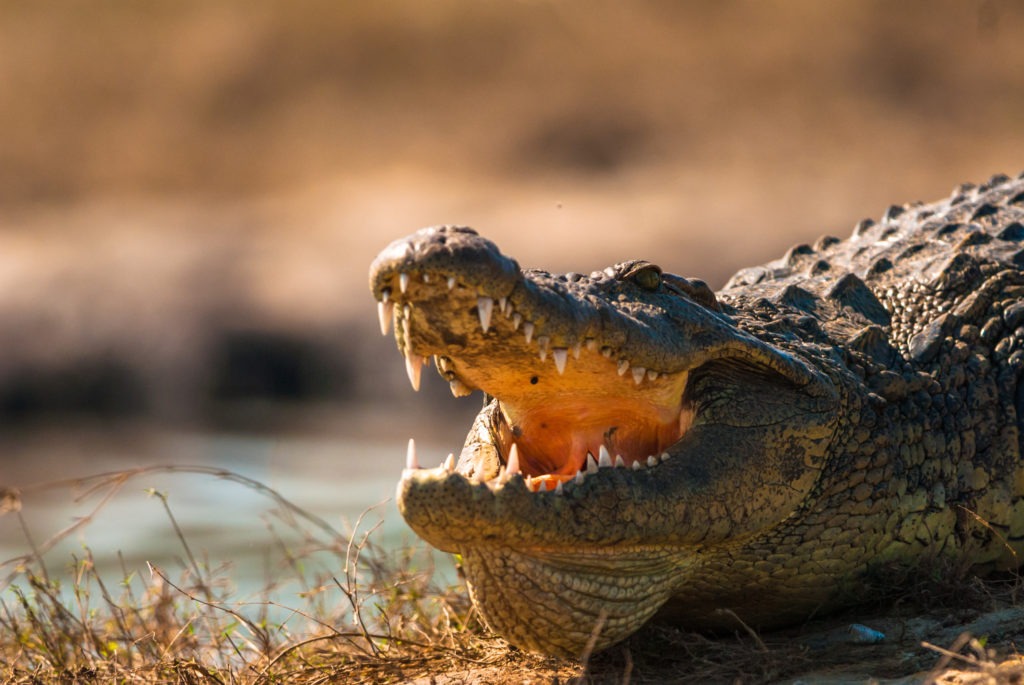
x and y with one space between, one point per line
528 331
414 366
513 461
604 459
561 356
403 281
485 306
410 456
449 463
385 310
591 463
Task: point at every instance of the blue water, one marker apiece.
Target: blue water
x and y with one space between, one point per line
231 530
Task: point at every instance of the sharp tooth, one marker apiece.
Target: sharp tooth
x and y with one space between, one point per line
529 484
484 307
591 344
385 310
403 281
413 367
407 311
578 478
451 282
385 295
528 331
638 374
620 463
623 366
449 463
665 456
636 466
517 320
410 456
502 476
591 463
576 351
604 460
652 460
513 460
558 488
502 301
561 356
652 375
459 389
606 352
542 343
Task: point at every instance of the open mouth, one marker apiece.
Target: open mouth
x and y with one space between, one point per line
628 423
564 405
621 369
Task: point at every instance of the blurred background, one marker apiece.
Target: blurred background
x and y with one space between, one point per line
191 191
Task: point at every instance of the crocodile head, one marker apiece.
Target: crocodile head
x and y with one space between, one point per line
629 427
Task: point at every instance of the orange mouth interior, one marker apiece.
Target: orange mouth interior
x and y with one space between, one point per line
555 420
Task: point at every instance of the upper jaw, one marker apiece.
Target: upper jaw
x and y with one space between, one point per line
557 353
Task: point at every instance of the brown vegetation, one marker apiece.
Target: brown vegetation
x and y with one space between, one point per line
181 179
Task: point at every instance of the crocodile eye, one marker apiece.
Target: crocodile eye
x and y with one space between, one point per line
648 278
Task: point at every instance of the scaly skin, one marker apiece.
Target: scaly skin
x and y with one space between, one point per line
852 404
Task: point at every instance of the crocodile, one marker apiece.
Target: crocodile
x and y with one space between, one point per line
649 449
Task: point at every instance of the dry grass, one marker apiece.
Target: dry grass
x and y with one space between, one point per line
381 611
378 615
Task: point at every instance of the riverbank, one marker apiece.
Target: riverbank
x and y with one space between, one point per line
348 605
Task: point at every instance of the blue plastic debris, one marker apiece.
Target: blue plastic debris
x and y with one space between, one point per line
862 635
